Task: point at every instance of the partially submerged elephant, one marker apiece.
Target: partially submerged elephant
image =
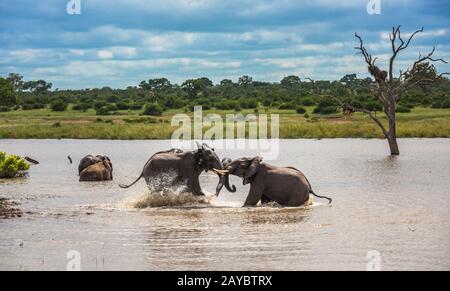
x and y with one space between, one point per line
184 169
95 168
91 160
286 186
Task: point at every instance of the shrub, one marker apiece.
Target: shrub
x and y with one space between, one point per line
103 111
287 106
27 107
39 106
153 109
112 107
82 107
12 166
249 103
446 103
98 105
373 106
301 110
136 106
326 110
4 109
122 106
267 102
228 105
307 102
275 104
58 105
326 107
403 109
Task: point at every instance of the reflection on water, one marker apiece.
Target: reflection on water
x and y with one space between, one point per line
398 206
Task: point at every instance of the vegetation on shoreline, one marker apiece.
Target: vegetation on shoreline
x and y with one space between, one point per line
12 166
30 110
45 124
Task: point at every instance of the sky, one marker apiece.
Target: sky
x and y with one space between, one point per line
118 43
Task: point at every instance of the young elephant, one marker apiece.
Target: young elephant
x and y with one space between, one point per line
178 168
101 171
90 160
286 186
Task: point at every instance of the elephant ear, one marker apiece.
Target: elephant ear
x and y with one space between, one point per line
200 147
252 169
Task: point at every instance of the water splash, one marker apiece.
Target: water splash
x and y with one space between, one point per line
175 197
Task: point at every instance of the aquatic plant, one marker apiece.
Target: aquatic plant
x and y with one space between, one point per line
12 166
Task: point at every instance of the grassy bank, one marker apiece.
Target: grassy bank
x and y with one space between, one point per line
44 124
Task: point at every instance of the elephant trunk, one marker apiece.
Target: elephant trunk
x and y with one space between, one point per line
224 180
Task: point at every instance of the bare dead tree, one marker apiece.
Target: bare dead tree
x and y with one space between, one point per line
387 88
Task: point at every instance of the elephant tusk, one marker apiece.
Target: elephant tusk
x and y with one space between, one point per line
221 172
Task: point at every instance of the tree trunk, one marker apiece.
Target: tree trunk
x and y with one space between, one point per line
393 145
392 135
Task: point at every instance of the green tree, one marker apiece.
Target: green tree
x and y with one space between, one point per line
8 96
17 81
58 105
291 81
38 87
153 109
245 81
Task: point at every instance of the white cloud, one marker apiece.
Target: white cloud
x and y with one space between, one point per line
384 35
104 54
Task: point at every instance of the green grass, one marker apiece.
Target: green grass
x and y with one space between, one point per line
44 124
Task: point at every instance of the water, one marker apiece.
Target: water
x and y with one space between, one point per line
398 207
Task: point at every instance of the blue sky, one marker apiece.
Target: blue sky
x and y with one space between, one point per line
118 43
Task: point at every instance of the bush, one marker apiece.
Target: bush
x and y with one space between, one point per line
12 166
98 105
4 109
446 103
326 110
307 102
287 106
58 105
403 109
153 109
228 105
103 111
301 110
275 104
136 106
122 106
27 107
373 106
82 107
112 107
326 107
249 103
39 106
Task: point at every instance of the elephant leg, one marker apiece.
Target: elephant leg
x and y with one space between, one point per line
194 186
255 194
265 199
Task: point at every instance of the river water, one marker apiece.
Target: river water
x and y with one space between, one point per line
391 213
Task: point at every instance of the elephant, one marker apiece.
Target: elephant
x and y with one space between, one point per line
91 160
184 168
101 171
285 185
